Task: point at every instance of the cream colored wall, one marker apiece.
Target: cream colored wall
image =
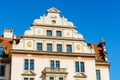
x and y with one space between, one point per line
42 62
104 72
7 71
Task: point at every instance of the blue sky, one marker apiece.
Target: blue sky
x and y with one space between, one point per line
93 18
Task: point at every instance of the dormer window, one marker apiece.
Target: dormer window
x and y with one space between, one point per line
53 21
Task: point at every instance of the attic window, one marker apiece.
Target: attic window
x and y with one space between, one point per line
53 21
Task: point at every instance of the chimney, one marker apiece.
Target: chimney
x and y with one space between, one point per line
8 33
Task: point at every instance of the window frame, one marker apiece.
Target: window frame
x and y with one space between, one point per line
30 66
69 48
58 33
3 51
49 44
80 67
39 48
4 70
98 76
59 48
49 32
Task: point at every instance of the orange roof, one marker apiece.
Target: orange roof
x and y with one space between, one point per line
99 52
7 42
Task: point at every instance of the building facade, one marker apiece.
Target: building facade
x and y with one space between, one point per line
52 49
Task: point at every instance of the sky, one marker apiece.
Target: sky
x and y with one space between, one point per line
95 19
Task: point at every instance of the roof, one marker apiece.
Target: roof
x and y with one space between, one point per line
7 43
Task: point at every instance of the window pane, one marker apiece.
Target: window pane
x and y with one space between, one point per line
57 64
2 70
25 78
52 64
49 33
82 66
1 51
59 33
98 74
69 48
51 78
59 48
77 66
31 64
26 64
60 78
53 21
49 47
31 78
39 46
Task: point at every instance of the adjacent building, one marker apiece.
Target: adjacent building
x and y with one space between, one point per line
52 49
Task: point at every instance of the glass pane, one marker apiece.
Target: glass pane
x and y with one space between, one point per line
49 33
59 48
39 46
69 48
26 64
98 74
2 70
77 66
1 51
82 66
31 78
51 78
49 47
57 64
59 33
25 78
31 64
60 78
52 64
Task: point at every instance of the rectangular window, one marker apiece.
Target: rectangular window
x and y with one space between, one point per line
49 32
39 46
52 64
57 64
60 78
2 70
77 66
58 33
49 47
28 78
51 78
59 47
28 64
1 51
98 74
31 64
69 48
82 67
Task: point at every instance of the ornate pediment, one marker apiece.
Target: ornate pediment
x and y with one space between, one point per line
28 73
53 10
80 75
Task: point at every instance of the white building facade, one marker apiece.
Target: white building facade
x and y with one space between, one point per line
53 50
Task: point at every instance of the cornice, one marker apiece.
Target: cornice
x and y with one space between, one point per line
52 53
54 26
54 38
98 63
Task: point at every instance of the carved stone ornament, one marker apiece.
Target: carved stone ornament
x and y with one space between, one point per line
29 44
78 47
39 31
68 33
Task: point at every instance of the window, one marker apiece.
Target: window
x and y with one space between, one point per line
79 67
39 46
49 47
49 32
1 51
53 21
82 67
51 78
98 74
28 64
28 78
52 62
69 48
2 70
60 78
58 33
59 47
